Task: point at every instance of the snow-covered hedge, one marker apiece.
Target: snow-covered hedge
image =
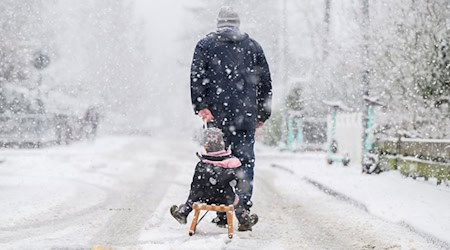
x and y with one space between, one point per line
416 157
434 150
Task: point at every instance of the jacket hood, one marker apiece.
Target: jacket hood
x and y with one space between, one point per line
231 35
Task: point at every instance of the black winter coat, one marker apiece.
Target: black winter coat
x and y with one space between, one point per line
211 181
230 76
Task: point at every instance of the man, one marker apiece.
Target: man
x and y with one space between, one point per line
231 88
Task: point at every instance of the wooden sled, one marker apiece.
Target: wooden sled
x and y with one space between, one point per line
216 208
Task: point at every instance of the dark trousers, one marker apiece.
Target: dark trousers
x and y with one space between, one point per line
242 146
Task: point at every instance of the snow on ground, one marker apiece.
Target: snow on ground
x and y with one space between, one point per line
420 205
116 192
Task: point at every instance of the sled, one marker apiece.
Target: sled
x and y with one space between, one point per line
216 208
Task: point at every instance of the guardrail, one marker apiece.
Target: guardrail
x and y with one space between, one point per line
38 130
416 157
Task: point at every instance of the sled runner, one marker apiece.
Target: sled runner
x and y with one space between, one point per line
216 208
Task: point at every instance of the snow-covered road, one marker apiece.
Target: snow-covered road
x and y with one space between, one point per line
116 192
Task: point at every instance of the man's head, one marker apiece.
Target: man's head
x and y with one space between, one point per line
213 140
228 18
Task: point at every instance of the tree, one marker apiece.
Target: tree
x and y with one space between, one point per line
21 28
410 60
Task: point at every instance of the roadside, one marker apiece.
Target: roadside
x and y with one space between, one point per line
79 196
293 215
117 191
418 205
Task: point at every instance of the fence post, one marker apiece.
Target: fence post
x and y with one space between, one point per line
399 142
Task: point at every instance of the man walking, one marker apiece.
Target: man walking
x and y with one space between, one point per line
231 88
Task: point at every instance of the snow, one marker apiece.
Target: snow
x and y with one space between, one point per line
421 205
414 159
337 104
425 140
131 59
117 191
403 139
372 100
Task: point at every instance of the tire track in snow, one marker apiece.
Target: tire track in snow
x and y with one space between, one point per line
336 194
330 223
327 190
133 178
290 221
431 238
140 201
41 226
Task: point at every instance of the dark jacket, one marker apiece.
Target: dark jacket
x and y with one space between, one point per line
212 177
230 76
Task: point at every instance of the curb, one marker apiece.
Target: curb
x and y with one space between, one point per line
336 194
340 196
327 190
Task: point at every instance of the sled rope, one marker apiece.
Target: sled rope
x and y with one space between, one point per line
202 217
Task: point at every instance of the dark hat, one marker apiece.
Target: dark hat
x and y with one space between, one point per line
228 18
213 140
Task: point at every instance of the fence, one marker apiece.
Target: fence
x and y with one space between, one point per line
416 157
37 130
27 130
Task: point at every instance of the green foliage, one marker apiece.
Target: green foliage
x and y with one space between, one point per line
426 50
414 169
438 85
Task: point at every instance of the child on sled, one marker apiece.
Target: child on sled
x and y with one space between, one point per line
212 182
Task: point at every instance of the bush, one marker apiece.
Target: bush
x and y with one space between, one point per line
273 129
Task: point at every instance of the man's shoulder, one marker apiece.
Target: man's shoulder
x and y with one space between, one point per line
208 38
213 37
254 43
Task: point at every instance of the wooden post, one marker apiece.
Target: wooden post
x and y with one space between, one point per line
194 222
230 221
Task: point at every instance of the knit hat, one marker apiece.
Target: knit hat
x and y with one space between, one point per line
228 18
213 140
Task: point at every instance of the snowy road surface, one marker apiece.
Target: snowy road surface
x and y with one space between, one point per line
116 192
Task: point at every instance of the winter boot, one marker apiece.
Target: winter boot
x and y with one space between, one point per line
175 212
220 220
248 223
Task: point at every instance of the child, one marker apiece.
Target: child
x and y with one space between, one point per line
211 182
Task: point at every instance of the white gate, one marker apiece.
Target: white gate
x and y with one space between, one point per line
349 132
